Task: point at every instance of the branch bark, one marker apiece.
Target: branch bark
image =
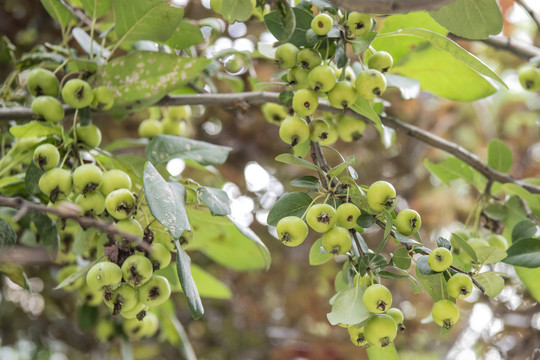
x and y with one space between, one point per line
516 47
390 6
261 97
23 205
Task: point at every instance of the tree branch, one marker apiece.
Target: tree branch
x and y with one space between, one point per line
530 11
23 205
516 47
261 97
390 6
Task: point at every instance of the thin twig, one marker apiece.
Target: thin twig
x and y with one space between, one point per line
516 47
530 11
21 204
260 97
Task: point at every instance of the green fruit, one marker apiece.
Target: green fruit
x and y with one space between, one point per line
120 203
286 55
89 135
377 298
398 317
150 128
321 217
498 241
137 270
138 329
347 214
160 256
91 204
87 178
291 230
321 24
380 61
370 83
131 227
274 113
331 135
103 274
48 109
305 102
178 113
235 64
138 311
529 78
445 313
166 240
440 259
380 330
318 130
122 298
113 180
322 78
298 78
216 5
90 297
365 280
381 195
359 24
77 93
293 131
308 59
343 95
171 127
477 243
56 183
46 157
43 82
105 330
67 271
337 241
103 98
408 222
155 291
459 286
350 129
357 335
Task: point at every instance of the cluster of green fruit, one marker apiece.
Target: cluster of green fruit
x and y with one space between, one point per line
529 76
312 74
77 93
168 121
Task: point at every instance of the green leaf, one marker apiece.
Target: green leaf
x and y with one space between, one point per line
185 35
499 156
301 150
450 169
401 258
433 284
444 44
224 241
293 160
166 201
286 97
87 317
317 256
514 189
492 283
47 232
348 307
31 179
325 6
442 242
58 12
292 204
409 88
77 275
382 353
443 74
14 271
362 43
101 7
336 171
463 245
142 78
217 200
35 129
471 19
163 148
423 267
365 220
153 20
276 25
495 211
370 260
183 268
8 238
524 253
236 10
523 230
364 108
490 254
83 240
307 181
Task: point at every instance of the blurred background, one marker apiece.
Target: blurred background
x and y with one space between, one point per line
281 313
